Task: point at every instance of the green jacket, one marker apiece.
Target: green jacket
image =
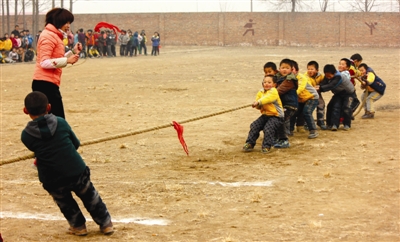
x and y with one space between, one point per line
55 146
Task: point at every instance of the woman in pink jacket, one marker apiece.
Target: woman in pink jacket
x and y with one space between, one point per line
51 57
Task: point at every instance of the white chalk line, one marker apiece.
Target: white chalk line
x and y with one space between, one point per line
50 217
224 184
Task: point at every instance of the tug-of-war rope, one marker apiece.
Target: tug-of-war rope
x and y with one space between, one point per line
118 136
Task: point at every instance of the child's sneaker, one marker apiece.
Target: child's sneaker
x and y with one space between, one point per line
282 144
79 231
346 128
108 229
322 126
334 128
368 115
313 134
248 147
265 150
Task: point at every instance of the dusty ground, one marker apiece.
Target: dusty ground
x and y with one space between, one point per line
342 186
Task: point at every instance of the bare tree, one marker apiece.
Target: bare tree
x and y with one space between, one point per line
323 4
16 12
285 5
3 17
8 16
398 1
363 5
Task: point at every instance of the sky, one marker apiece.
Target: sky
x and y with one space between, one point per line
149 6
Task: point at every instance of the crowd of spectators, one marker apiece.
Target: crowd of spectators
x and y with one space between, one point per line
18 46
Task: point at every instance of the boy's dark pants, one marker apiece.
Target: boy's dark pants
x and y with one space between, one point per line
304 114
320 110
340 104
284 129
84 189
269 125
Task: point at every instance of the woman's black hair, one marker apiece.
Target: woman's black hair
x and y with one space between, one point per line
59 17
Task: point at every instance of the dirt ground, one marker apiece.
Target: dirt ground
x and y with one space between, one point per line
341 186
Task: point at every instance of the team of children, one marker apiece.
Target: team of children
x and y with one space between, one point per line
289 98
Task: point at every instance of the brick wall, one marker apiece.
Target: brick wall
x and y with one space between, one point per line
252 29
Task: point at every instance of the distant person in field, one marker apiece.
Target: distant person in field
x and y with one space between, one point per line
51 58
155 39
61 169
270 106
374 89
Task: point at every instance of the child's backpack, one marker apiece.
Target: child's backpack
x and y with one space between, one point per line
378 85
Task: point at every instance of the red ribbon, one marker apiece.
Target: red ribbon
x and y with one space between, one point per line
179 130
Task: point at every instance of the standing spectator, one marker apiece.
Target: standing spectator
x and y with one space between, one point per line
89 40
102 43
29 37
155 43
123 39
108 43
113 42
16 31
37 36
51 57
96 36
140 38
135 43
82 40
143 43
70 39
129 45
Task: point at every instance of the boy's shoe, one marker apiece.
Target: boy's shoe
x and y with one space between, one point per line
313 134
248 147
334 128
300 129
346 128
368 115
322 126
265 150
282 144
108 229
79 231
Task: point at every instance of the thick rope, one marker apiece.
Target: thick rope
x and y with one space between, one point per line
118 136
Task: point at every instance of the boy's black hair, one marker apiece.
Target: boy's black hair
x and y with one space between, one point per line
36 103
356 57
313 63
295 65
330 69
348 62
286 61
274 78
271 65
58 17
363 65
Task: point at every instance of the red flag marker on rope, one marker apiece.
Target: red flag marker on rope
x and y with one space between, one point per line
179 130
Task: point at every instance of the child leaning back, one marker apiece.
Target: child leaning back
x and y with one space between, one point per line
270 106
61 169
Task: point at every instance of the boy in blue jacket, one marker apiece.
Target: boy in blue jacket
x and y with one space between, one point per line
61 169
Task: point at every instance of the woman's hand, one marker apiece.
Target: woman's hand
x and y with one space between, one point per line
73 59
78 48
